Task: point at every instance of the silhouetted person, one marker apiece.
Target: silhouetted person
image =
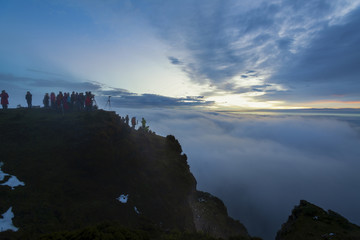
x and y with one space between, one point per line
88 101
133 122
127 120
28 98
143 123
53 100
59 102
72 100
4 99
66 101
46 100
81 101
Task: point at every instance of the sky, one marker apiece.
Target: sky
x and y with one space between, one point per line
192 68
214 54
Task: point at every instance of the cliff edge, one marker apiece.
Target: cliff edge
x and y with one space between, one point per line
85 168
310 222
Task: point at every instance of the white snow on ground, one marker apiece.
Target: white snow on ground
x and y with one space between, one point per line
2 174
6 221
12 182
136 210
123 198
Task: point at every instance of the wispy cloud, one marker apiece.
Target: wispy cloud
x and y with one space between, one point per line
55 83
327 67
289 43
126 99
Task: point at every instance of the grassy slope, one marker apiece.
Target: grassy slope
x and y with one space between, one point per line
75 166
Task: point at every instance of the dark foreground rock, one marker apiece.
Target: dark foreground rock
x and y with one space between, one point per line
211 217
309 222
76 167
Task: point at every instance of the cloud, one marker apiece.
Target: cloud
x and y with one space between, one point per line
131 100
283 41
175 61
116 92
328 66
56 83
301 49
261 166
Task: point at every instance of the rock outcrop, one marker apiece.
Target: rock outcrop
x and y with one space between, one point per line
211 217
85 168
310 222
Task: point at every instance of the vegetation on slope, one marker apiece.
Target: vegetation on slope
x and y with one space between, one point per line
114 231
76 165
309 222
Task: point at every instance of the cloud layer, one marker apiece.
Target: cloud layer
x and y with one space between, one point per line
261 166
296 49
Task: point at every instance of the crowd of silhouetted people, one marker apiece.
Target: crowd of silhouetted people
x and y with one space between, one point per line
61 101
66 101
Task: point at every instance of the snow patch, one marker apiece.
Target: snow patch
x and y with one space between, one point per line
2 174
12 182
136 210
6 221
201 200
123 198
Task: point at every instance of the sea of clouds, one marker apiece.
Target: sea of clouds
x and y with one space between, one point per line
261 166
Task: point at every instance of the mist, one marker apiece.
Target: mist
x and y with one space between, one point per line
262 166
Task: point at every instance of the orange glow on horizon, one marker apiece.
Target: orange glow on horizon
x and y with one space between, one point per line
334 101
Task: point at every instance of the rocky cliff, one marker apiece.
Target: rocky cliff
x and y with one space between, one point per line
85 168
310 222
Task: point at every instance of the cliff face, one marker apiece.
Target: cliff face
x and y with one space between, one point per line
86 168
308 222
211 217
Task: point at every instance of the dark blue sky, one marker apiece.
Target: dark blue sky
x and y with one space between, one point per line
233 54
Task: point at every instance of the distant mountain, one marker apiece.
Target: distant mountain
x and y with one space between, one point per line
310 222
88 175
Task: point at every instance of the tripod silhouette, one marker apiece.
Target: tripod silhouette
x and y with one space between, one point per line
108 103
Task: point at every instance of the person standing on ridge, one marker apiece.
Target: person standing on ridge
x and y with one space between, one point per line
53 100
127 120
88 101
46 100
28 98
4 99
133 122
72 100
59 102
143 123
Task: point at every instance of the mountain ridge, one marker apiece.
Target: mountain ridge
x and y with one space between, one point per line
88 175
76 166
